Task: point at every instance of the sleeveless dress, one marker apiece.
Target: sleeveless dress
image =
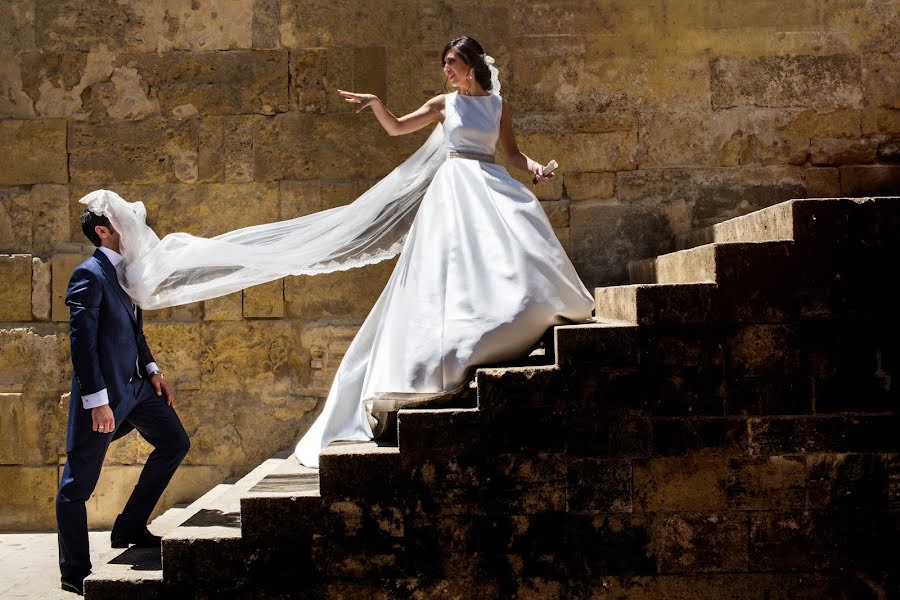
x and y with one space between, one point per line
480 279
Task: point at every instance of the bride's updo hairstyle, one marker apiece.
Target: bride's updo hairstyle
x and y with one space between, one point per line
473 55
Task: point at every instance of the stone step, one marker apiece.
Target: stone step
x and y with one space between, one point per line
725 264
284 506
139 572
606 342
358 470
806 221
658 304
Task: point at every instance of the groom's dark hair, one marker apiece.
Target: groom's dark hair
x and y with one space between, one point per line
89 221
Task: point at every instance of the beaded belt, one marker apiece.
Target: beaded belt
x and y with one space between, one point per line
488 158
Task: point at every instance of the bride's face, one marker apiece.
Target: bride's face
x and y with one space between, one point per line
455 69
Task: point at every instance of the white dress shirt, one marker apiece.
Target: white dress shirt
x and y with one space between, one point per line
102 397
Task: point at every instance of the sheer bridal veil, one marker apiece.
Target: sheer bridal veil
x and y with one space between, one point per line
183 268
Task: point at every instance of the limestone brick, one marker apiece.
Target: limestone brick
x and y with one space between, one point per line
324 347
15 103
224 308
404 92
32 152
40 289
717 194
783 81
191 312
17 25
582 151
674 484
265 300
253 354
767 483
15 293
880 120
706 542
61 267
299 198
841 151
604 237
823 183
176 348
159 26
218 83
28 502
303 146
323 23
370 70
349 293
50 211
182 147
874 180
15 220
121 153
208 209
33 427
266 18
589 186
881 79
34 358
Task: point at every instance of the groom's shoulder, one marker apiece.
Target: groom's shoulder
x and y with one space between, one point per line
89 268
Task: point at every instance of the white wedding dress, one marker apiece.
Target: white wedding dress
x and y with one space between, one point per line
480 278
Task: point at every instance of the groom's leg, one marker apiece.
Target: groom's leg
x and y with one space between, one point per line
79 479
159 425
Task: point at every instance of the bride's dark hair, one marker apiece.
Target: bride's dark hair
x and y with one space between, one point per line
472 53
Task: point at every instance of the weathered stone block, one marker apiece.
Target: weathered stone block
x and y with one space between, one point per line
33 152
823 183
16 103
848 481
344 293
701 542
322 23
254 353
17 25
711 435
62 266
783 81
605 237
596 485
40 289
679 484
15 293
584 152
589 186
881 79
16 233
782 541
50 211
34 358
767 483
264 301
176 348
224 308
762 350
218 83
124 152
717 194
842 151
28 503
875 180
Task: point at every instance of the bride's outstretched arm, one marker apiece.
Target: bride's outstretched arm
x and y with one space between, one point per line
516 157
430 112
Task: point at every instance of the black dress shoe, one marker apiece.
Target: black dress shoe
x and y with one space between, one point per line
73 587
141 539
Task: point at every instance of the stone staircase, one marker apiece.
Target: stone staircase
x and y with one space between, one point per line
726 429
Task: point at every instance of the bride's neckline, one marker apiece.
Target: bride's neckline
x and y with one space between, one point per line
476 96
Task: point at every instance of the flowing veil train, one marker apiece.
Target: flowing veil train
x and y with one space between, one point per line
182 268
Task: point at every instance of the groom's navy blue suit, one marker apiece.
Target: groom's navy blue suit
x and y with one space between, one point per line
109 352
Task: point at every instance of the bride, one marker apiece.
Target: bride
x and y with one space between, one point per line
481 275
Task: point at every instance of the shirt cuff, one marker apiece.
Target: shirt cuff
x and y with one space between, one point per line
94 400
151 367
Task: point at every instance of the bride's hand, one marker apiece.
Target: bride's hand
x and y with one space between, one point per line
363 100
537 173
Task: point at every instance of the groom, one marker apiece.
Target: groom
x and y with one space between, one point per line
116 387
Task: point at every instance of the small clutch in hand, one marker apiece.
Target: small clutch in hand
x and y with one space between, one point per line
547 169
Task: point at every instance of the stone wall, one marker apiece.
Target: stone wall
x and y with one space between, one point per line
665 115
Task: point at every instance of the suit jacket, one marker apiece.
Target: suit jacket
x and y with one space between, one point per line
107 342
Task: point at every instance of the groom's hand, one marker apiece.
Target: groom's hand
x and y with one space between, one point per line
162 388
103 418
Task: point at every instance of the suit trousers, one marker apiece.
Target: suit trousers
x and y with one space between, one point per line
160 426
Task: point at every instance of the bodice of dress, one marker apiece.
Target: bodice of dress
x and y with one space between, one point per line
472 123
